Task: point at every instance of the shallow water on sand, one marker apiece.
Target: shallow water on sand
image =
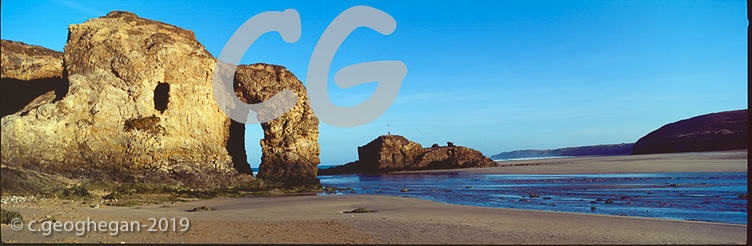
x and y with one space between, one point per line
713 197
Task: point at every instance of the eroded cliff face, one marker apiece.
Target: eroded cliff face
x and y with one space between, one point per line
290 149
139 107
390 153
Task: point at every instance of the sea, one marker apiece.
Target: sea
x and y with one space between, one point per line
711 197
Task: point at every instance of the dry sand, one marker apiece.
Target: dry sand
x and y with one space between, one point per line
319 219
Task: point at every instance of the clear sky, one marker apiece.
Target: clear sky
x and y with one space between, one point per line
491 75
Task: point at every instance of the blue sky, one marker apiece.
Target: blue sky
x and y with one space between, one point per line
491 75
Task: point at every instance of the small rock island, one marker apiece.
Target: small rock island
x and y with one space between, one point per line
393 153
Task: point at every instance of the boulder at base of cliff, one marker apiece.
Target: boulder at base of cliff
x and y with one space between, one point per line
710 132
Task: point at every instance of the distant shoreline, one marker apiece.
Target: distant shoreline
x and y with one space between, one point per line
590 150
688 162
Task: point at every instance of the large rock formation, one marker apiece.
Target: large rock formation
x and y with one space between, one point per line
290 149
139 107
710 132
133 102
390 153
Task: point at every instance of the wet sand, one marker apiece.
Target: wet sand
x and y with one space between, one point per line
319 219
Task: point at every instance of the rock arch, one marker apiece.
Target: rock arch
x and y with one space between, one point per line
290 149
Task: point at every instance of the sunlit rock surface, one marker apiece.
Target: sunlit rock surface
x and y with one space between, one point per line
290 149
138 107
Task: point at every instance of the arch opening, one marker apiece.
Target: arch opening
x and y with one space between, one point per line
236 147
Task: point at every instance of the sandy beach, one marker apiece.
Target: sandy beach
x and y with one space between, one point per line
320 219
